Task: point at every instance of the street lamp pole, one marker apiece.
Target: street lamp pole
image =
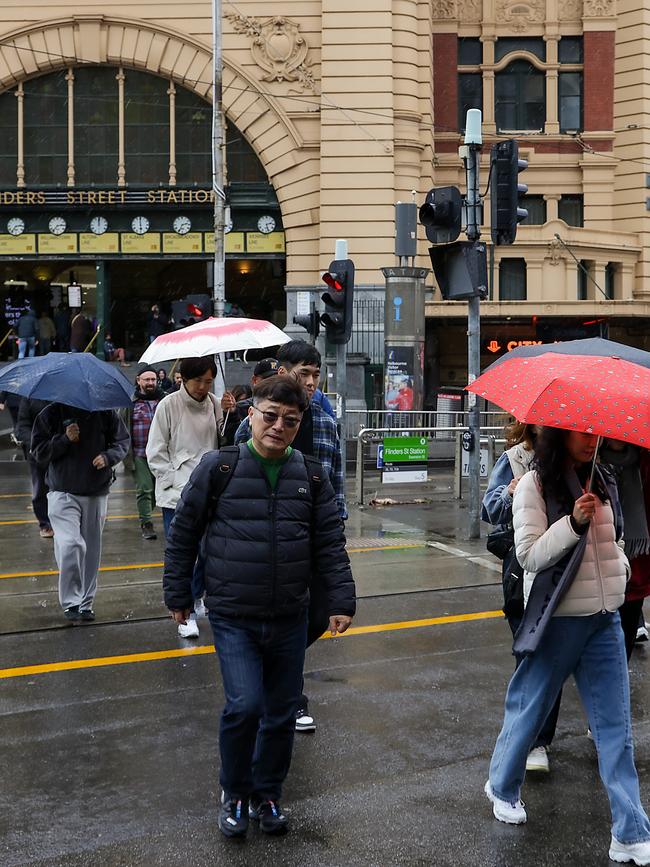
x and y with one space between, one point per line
218 168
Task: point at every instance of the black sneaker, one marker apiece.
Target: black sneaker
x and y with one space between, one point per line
72 613
233 816
87 614
148 531
270 816
304 720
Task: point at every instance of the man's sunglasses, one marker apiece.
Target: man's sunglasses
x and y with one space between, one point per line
289 421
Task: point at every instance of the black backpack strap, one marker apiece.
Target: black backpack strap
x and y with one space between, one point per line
221 475
314 474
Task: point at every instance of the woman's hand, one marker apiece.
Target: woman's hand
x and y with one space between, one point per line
584 509
513 484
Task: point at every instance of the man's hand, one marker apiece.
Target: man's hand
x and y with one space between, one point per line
2 406
228 401
72 432
584 509
181 616
339 623
100 462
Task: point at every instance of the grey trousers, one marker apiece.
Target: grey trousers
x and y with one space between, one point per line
78 523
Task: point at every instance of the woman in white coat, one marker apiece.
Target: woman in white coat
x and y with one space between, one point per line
185 426
583 638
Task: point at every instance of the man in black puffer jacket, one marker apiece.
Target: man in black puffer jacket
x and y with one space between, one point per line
273 530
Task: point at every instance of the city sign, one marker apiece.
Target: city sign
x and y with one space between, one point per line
404 459
85 198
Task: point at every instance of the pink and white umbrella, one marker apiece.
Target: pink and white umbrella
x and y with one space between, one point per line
213 336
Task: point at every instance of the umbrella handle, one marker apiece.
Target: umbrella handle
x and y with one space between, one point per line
225 422
590 483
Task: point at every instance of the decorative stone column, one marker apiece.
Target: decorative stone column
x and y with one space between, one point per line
20 167
121 159
70 80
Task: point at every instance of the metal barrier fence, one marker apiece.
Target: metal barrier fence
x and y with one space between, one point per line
444 424
490 439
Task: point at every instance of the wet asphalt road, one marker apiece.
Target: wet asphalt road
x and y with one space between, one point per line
117 764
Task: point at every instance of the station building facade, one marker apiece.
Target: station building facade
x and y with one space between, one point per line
335 112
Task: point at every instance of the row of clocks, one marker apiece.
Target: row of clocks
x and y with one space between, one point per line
140 225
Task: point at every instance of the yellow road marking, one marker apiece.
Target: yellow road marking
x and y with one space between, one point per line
33 520
11 496
131 658
130 566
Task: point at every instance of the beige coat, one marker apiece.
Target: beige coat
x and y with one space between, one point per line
599 584
182 431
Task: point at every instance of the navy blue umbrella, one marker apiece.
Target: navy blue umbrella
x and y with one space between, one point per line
74 378
597 346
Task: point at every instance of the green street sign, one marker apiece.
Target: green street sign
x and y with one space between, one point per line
405 450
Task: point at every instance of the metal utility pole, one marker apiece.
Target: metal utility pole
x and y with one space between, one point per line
472 150
218 169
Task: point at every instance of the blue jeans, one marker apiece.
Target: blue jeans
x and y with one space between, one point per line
26 345
261 667
198 575
592 649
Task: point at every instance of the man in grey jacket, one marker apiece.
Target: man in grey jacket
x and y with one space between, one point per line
79 449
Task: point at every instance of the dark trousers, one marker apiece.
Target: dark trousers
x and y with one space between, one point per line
547 732
261 667
630 612
198 575
39 493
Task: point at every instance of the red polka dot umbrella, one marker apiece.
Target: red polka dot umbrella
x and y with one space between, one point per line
608 397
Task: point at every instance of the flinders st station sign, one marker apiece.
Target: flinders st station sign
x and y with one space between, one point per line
157 197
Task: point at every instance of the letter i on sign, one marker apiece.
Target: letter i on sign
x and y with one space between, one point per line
397 301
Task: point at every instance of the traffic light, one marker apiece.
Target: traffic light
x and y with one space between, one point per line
505 167
337 318
460 270
309 321
441 215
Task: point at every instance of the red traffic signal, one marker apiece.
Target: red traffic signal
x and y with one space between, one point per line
338 301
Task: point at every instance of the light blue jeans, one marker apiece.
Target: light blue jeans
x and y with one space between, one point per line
26 345
593 650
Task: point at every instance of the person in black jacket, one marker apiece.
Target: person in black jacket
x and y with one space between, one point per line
28 409
273 530
79 448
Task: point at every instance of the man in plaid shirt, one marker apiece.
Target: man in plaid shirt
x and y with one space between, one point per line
317 436
145 400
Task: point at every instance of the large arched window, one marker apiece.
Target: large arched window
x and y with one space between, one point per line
520 97
126 127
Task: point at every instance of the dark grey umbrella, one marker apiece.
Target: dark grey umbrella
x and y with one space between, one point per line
597 346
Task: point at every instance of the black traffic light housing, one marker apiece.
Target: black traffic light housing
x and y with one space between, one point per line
460 270
338 300
441 215
505 191
309 321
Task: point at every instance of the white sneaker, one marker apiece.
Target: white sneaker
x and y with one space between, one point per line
189 629
638 853
537 760
642 633
305 722
199 608
504 811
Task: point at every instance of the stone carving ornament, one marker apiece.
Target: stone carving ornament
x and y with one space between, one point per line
444 9
570 10
599 8
278 48
470 11
519 14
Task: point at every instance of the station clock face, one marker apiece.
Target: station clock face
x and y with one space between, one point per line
182 225
98 225
57 225
140 225
16 226
266 224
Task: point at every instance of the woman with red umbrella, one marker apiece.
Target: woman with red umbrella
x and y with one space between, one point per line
554 519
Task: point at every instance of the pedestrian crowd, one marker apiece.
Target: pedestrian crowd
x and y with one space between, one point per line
250 487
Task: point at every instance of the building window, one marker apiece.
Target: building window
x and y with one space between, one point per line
536 207
570 49
470 51
520 95
8 139
512 280
583 279
146 128
611 275
96 128
470 95
46 129
193 138
570 209
243 164
508 44
570 101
